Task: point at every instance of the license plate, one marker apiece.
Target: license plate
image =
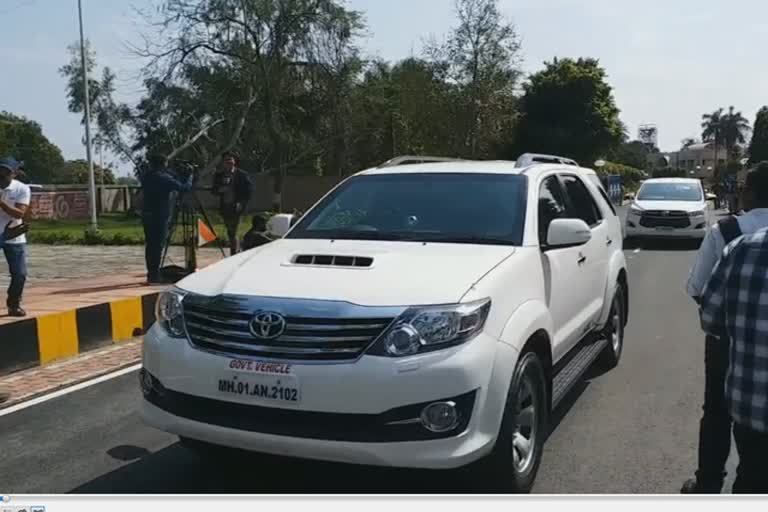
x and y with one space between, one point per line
664 228
282 389
260 381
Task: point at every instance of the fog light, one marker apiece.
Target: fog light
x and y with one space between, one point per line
146 381
631 224
440 417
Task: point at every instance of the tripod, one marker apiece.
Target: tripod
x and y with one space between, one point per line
186 210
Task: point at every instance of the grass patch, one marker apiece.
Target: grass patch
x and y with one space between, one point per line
114 229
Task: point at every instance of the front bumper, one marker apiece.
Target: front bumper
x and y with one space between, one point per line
697 230
338 402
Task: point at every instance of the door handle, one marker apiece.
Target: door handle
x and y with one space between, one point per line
581 259
609 241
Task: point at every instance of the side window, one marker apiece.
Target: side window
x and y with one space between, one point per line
583 205
552 205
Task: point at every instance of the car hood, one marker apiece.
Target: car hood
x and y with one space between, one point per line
684 206
402 273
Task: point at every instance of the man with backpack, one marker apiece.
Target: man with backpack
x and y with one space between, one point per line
716 422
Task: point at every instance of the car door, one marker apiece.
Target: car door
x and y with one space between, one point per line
564 275
594 255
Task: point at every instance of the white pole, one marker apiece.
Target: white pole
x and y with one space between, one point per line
91 179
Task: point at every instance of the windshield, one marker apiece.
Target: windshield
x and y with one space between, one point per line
428 207
670 192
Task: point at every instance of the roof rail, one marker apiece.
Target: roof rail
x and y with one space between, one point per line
409 159
533 158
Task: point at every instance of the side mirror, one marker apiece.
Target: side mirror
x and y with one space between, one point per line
279 225
567 233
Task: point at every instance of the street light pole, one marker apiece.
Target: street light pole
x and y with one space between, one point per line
91 179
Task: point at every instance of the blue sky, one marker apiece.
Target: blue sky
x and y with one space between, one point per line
669 61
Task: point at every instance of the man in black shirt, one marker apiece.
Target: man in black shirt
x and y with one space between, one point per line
233 186
160 187
257 235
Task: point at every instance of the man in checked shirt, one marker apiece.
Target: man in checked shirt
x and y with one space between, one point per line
735 302
715 428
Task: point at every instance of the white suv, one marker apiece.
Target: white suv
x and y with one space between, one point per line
669 208
424 316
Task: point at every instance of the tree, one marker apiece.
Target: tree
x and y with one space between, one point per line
725 129
569 109
111 117
632 154
127 180
735 128
408 108
758 146
481 56
75 172
249 74
24 140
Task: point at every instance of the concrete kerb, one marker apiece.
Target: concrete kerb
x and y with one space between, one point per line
53 337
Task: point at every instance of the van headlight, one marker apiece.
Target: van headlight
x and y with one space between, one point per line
429 328
634 210
698 213
169 312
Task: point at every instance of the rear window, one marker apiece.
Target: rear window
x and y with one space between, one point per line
599 184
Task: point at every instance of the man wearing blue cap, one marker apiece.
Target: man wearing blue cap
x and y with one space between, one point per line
14 202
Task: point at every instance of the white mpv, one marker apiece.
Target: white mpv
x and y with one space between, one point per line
669 208
424 315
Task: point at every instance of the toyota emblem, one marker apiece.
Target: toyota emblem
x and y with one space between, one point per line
267 325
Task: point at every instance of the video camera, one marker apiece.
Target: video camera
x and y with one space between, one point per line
185 168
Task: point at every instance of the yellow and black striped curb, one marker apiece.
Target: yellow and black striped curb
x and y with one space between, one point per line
41 340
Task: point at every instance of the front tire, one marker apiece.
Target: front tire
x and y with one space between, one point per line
514 462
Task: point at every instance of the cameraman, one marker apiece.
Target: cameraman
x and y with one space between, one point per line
159 186
233 186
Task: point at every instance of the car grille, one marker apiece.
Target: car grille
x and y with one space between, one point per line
304 338
665 219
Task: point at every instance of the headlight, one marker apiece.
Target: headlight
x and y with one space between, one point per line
170 313
634 210
699 213
424 329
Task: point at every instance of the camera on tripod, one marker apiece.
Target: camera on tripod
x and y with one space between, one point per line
186 168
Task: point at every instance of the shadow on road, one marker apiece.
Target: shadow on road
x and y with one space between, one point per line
659 244
176 470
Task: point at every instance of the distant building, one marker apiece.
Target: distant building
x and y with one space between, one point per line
698 159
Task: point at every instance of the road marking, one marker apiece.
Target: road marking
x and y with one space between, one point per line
72 389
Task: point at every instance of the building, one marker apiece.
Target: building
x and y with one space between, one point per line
697 159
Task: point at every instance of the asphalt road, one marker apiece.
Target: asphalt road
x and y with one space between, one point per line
632 430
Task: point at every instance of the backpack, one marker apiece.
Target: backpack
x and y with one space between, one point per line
730 229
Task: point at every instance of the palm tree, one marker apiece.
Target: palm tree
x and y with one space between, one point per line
712 129
734 128
726 129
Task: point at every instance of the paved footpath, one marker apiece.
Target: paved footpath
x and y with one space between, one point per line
49 263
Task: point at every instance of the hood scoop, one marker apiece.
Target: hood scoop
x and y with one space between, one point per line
329 260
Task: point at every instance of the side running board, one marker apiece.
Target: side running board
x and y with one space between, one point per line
578 362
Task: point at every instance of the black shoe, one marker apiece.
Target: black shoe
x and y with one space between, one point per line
693 486
16 312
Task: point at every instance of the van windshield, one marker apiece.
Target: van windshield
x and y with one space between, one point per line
670 192
425 207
